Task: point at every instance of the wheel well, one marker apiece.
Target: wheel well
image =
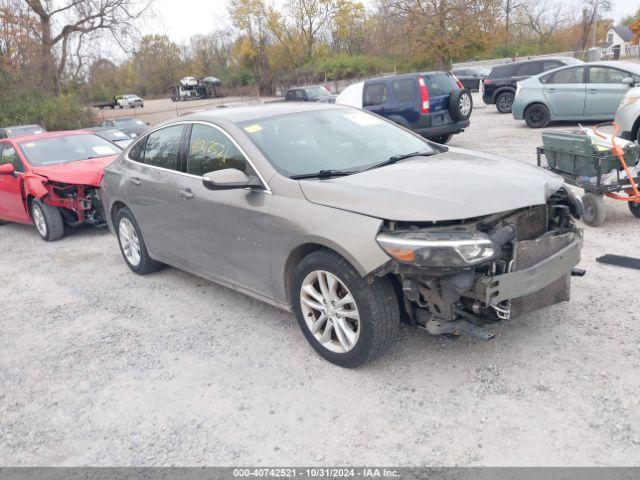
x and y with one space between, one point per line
634 130
535 103
502 90
30 199
115 208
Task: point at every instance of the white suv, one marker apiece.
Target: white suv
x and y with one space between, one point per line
130 101
628 115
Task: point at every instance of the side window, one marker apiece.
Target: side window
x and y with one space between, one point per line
9 155
137 151
289 95
529 69
405 89
163 147
606 75
568 75
550 65
375 94
210 150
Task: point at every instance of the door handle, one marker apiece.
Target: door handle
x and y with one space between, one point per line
551 90
135 180
187 194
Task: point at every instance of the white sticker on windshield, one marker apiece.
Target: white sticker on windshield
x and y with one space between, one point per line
100 150
139 122
118 134
363 119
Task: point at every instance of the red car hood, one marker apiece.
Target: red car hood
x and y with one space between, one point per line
82 172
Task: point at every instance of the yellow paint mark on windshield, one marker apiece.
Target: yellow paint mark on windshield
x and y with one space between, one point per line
253 128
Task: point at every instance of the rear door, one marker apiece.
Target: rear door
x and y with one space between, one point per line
11 202
564 91
151 189
605 91
375 97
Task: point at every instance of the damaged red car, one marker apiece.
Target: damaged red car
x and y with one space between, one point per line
53 179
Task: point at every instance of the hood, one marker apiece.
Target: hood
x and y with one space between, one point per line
453 185
82 172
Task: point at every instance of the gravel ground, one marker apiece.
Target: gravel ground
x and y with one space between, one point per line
101 367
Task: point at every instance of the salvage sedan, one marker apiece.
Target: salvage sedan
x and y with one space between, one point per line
350 221
52 179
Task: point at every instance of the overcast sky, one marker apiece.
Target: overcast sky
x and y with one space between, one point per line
180 19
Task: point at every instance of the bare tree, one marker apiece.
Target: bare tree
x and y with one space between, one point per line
508 8
311 18
62 24
543 18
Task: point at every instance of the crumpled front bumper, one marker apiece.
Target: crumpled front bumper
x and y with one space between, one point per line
533 278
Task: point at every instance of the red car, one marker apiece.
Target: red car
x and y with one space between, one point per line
52 179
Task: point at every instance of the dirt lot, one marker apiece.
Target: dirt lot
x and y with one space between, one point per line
101 367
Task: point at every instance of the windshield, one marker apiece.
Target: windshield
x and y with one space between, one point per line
318 91
333 139
129 122
50 151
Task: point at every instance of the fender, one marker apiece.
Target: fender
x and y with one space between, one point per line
33 185
505 88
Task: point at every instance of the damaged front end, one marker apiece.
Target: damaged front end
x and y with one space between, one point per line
458 276
79 204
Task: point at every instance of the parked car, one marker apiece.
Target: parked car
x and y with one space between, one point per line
130 101
317 93
471 77
114 135
584 92
628 115
432 104
52 179
113 103
345 218
20 131
129 125
500 87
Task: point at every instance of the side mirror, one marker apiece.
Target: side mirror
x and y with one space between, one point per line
628 81
7 169
229 179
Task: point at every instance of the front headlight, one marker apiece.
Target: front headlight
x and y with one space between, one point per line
629 101
438 249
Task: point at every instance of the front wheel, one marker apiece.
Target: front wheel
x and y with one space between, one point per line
132 246
537 116
594 213
504 102
345 319
48 221
633 207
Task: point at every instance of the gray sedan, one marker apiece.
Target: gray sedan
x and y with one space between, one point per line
350 221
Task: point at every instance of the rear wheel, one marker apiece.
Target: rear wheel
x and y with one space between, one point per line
48 221
132 246
345 319
537 116
633 207
594 212
504 102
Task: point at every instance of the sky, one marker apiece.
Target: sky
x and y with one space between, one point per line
180 19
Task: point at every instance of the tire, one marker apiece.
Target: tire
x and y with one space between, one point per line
634 208
504 102
2 222
460 105
375 303
444 139
47 220
125 223
537 116
594 212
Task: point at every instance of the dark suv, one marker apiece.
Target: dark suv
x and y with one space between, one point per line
317 93
500 86
432 104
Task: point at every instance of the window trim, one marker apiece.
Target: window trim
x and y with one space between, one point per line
188 124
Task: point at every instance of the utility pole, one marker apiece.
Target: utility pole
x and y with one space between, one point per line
595 21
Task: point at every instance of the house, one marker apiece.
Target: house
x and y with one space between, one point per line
618 42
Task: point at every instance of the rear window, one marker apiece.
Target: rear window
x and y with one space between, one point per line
503 71
440 84
129 122
529 69
50 151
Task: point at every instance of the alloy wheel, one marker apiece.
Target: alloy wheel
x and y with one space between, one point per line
39 221
465 104
330 311
129 241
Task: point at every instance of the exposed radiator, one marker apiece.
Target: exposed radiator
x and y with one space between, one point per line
530 252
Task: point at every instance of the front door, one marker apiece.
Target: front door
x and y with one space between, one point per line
11 202
225 233
564 92
605 90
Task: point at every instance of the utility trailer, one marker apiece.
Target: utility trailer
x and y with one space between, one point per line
111 104
192 87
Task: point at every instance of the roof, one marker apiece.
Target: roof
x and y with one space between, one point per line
254 112
623 32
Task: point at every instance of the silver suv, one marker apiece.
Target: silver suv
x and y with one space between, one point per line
346 219
628 115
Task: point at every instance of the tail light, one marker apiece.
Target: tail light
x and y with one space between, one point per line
424 96
460 86
486 81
